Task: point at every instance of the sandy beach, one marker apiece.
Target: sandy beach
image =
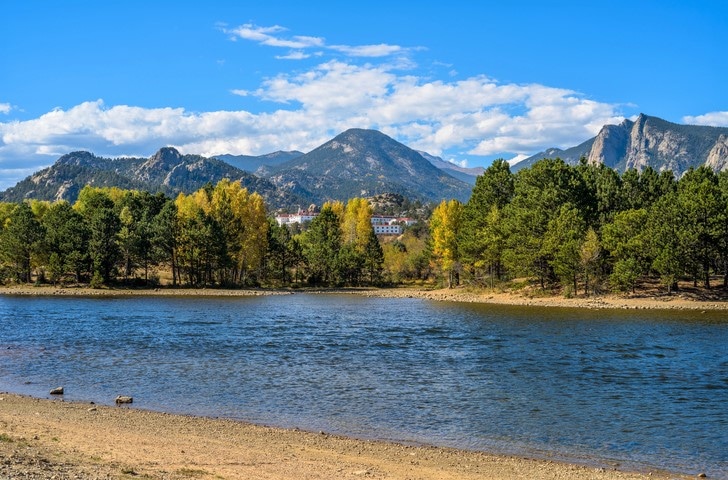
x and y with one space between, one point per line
42 439
688 299
680 301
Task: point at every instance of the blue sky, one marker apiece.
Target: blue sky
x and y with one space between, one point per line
469 81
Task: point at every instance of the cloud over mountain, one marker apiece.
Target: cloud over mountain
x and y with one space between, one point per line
474 116
714 119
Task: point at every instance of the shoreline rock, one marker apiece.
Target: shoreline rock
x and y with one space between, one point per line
123 399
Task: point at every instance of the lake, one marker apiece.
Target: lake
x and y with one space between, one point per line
636 388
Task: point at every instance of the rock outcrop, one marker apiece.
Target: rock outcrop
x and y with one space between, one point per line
648 142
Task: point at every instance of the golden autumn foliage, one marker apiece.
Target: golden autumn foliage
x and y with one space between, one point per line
444 228
356 223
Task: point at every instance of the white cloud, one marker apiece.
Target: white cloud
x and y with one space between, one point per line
265 36
5 108
713 119
298 55
273 37
518 158
381 50
477 116
459 163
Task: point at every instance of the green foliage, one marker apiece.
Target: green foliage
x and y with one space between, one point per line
67 237
348 265
321 244
579 224
97 281
480 237
625 274
701 206
283 255
538 196
20 241
373 257
104 225
563 244
665 242
591 254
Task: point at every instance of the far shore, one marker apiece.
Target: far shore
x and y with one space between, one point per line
58 439
648 301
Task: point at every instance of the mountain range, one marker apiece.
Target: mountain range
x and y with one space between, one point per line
364 163
355 163
647 142
264 165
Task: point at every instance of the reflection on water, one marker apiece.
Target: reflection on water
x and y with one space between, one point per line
641 388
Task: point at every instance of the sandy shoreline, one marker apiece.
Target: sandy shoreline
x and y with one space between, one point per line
42 438
679 301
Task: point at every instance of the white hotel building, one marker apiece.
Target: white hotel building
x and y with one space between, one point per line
383 225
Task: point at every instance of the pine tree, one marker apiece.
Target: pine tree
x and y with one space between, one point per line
321 245
20 240
373 258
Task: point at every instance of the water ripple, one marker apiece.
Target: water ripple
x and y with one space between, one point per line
646 389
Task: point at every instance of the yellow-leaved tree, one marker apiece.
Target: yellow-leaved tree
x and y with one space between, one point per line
444 227
356 223
336 206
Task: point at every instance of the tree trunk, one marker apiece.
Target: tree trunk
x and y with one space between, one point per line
706 269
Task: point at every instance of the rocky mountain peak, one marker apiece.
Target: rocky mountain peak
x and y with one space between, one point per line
360 162
166 156
718 155
80 158
648 141
609 143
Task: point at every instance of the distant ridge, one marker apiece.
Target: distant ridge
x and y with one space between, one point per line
252 163
466 174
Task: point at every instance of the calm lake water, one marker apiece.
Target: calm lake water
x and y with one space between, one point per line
642 389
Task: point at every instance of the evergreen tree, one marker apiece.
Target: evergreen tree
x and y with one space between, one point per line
66 239
539 193
164 232
321 245
722 244
665 242
283 253
563 244
492 192
104 226
373 258
591 252
701 207
348 266
627 242
20 240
